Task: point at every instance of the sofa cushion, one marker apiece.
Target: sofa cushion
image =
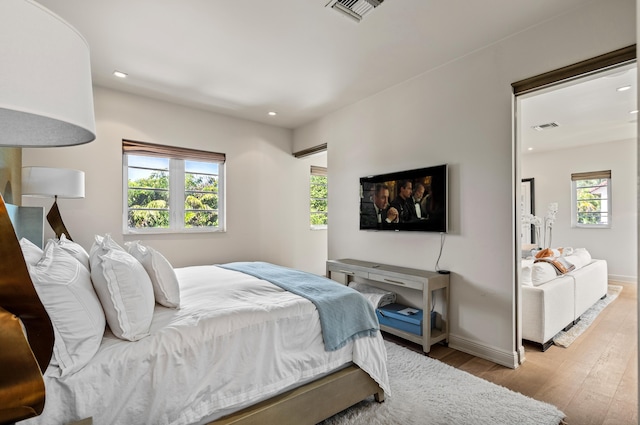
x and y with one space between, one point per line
525 276
542 272
579 258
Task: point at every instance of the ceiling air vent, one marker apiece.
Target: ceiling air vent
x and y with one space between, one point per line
354 9
546 126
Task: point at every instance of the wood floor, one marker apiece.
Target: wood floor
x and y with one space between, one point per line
593 381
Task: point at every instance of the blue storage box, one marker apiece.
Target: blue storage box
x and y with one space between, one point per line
401 317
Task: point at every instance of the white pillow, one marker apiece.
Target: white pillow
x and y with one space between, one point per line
64 287
542 272
165 282
527 267
103 243
75 249
579 258
30 251
124 289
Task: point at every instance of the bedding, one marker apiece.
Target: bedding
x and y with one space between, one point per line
64 287
344 313
236 340
124 289
165 283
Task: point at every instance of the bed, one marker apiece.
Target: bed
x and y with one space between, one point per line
239 350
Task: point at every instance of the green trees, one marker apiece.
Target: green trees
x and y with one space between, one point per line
148 200
319 206
201 200
592 198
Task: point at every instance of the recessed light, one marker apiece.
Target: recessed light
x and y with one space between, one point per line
529 149
119 74
273 114
623 88
633 112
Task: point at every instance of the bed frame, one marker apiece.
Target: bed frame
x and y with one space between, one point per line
310 403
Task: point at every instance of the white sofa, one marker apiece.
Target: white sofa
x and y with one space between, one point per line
551 303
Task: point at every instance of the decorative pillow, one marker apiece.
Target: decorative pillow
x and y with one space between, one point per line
165 282
548 252
124 289
580 258
31 252
104 243
527 267
542 272
64 287
75 249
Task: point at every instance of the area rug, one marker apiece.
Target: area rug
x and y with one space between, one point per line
427 391
565 339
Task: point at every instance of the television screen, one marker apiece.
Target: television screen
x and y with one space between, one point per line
405 200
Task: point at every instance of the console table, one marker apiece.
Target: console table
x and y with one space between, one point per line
388 277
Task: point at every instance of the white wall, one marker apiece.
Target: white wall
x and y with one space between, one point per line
267 188
460 114
552 174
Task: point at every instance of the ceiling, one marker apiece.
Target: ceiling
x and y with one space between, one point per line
299 58
589 110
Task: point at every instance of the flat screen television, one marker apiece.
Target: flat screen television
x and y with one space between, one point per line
413 200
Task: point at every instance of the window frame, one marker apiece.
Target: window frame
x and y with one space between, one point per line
318 171
177 190
575 178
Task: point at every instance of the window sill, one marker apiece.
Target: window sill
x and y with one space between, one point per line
591 226
130 232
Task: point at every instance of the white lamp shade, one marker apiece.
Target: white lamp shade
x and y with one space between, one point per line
51 182
46 98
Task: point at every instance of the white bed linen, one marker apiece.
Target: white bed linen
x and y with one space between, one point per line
234 341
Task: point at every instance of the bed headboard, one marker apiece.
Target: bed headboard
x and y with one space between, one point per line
28 222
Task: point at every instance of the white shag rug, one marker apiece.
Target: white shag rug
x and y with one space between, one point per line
427 391
564 339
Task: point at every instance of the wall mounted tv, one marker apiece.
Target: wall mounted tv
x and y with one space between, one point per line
414 200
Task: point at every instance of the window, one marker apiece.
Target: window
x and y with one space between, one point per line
318 198
591 199
168 189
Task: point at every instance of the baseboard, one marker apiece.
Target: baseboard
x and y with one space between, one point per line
622 279
504 358
521 354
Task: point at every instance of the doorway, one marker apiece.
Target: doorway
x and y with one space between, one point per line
569 121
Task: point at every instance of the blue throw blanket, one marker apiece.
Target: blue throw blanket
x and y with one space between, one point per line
344 313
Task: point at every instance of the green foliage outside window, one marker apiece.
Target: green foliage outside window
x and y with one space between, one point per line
319 204
591 195
201 200
148 201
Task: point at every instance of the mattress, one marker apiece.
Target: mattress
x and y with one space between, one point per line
236 340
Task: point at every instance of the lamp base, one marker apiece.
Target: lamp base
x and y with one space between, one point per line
22 388
55 221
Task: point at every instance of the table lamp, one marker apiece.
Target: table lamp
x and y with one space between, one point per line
53 183
46 100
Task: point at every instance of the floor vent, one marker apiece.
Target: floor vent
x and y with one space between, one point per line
354 9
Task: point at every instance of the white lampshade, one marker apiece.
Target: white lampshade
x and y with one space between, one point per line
46 98
51 182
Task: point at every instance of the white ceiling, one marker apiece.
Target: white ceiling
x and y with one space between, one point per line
588 111
244 58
